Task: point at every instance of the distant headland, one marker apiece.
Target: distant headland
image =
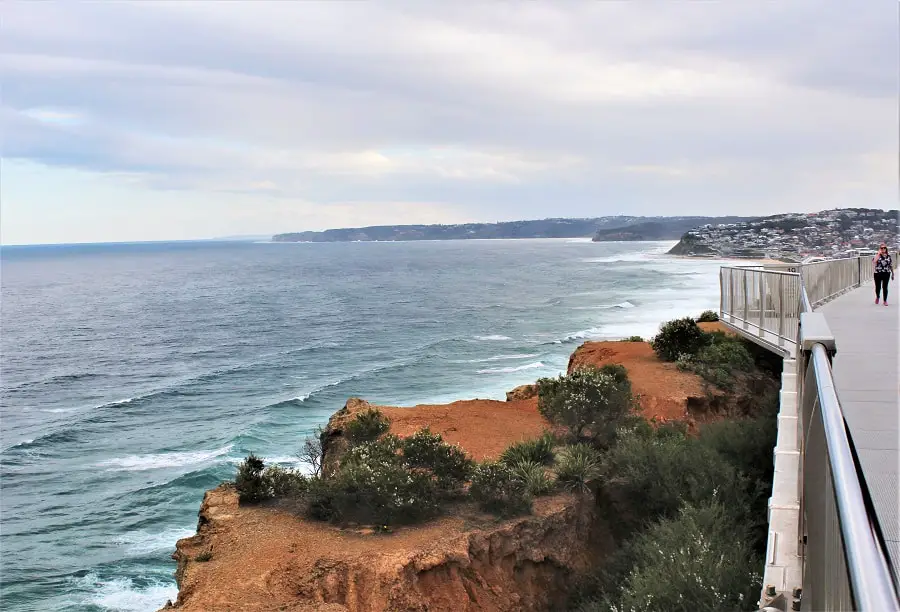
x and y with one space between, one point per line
600 229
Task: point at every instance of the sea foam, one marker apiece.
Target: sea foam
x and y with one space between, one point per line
134 463
123 595
530 366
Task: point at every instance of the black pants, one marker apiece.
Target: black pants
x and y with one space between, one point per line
881 284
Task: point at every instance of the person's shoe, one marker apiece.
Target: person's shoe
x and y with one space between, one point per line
885 303
876 300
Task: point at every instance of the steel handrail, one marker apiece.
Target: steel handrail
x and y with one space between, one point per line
867 565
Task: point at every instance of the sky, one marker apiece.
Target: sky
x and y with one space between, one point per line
158 120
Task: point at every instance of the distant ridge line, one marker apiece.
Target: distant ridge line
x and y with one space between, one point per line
664 228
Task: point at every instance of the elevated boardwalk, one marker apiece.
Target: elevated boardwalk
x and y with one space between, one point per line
834 513
866 378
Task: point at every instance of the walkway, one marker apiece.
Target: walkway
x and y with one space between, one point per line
866 376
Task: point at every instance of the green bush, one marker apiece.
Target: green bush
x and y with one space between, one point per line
648 478
632 339
538 450
250 483
719 360
498 490
588 402
677 338
367 426
373 486
428 451
535 477
747 445
284 482
618 372
698 560
577 466
708 316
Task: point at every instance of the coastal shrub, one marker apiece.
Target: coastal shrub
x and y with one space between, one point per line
250 483
678 337
632 339
203 557
373 486
697 560
719 360
538 450
498 490
589 403
448 463
366 426
534 475
577 466
708 316
618 372
284 482
648 478
747 445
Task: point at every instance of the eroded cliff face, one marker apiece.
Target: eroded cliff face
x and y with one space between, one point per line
265 558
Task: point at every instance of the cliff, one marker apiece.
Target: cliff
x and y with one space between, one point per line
691 246
267 557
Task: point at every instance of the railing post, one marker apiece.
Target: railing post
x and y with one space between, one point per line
762 304
780 289
721 293
746 301
731 296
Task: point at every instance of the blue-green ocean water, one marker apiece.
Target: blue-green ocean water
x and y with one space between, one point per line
135 376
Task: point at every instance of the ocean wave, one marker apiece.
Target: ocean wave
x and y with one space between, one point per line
141 543
134 463
492 338
55 380
584 334
123 595
530 366
620 306
58 410
497 358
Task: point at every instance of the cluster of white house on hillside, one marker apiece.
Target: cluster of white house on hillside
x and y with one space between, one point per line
796 236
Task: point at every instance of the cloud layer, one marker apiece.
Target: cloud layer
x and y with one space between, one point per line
289 116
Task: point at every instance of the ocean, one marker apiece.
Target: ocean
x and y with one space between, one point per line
136 376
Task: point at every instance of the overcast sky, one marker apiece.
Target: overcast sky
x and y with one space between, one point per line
170 120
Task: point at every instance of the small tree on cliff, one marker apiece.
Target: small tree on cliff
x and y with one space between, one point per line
590 403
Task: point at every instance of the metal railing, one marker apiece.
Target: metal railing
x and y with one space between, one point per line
825 280
763 304
845 565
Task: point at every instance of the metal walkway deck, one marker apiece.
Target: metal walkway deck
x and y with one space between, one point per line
866 377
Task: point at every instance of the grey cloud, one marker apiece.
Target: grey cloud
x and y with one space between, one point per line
209 96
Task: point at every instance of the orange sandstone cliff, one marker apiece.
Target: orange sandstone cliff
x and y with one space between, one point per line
267 557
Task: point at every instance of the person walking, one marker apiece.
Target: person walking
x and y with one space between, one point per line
884 272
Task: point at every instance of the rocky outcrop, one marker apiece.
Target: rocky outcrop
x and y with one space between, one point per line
663 391
522 392
691 245
262 558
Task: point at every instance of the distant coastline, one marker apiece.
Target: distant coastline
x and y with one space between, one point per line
599 229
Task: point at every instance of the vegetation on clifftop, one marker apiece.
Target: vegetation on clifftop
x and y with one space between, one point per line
688 505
